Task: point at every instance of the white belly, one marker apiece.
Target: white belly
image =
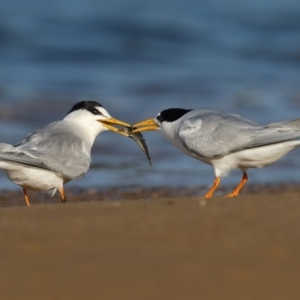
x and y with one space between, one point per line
35 179
252 158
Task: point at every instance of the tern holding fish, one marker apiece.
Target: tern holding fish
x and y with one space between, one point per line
224 140
47 158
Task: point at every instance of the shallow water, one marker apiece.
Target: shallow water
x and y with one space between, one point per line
137 58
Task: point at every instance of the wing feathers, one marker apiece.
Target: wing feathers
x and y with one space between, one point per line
219 134
58 147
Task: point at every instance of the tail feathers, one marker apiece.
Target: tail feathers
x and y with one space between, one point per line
293 124
6 147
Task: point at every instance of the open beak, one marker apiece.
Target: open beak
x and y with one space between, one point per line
145 125
111 121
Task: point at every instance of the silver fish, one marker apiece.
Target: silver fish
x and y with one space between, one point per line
139 139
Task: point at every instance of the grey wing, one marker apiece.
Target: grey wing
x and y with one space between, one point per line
62 154
22 158
65 154
8 153
55 148
217 135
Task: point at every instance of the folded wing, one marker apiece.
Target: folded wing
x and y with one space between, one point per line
54 148
217 134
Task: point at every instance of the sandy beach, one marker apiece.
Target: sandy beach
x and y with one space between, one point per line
160 248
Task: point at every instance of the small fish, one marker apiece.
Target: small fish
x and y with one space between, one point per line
139 139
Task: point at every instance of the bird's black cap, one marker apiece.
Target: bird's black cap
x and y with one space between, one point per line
88 105
172 114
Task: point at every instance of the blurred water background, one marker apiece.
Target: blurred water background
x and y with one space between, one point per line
139 57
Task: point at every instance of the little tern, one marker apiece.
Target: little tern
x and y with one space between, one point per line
49 157
224 140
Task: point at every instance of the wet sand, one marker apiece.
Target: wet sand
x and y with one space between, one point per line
151 246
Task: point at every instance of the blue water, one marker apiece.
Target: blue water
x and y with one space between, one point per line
139 57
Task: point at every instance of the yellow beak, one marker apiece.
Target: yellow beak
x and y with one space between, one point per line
145 125
109 122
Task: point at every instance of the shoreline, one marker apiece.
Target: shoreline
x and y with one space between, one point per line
12 198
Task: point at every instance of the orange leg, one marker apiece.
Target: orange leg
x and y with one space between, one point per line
26 197
212 189
62 194
236 191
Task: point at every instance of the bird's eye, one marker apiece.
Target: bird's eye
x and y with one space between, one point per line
95 111
160 118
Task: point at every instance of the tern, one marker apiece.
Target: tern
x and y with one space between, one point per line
224 140
49 157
